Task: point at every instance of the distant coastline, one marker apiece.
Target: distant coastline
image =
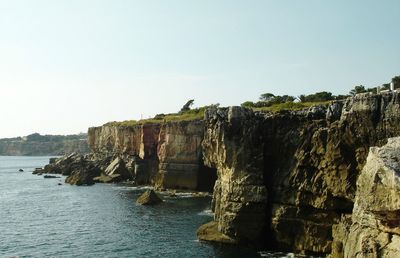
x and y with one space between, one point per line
44 145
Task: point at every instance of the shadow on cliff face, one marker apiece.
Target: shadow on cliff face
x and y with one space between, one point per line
206 178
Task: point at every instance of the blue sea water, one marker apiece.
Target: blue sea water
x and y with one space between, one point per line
40 218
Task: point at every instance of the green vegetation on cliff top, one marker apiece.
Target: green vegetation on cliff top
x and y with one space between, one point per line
267 102
189 115
290 106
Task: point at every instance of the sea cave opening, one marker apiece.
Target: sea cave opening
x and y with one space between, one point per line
206 178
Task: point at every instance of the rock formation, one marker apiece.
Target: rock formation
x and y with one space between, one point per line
373 230
284 181
167 155
149 198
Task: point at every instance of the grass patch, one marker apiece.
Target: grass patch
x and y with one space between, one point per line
190 115
288 106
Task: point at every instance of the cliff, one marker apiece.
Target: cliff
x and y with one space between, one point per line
167 155
373 229
290 180
44 145
285 179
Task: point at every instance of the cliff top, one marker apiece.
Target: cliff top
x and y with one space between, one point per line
190 115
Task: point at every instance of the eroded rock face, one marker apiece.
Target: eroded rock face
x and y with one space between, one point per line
167 155
232 145
179 154
374 227
287 178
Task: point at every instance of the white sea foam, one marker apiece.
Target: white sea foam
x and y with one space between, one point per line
207 212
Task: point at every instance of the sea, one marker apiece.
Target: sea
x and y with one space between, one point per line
47 218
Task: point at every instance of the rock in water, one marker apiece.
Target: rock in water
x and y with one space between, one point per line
108 179
149 198
21 170
49 176
38 171
83 176
117 170
209 232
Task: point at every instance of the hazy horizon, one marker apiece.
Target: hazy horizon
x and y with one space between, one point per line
69 65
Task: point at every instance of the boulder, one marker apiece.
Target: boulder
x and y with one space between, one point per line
49 176
209 232
83 176
118 167
107 179
21 170
38 171
149 198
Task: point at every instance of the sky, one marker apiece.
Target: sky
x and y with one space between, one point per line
69 65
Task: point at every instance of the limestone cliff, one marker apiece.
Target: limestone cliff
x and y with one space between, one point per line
166 154
373 230
285 179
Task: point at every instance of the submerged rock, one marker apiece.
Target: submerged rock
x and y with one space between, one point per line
149 198
38 171
49 176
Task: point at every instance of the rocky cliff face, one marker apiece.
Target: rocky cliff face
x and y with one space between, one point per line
373 230
167 154
285 179
44 145
179 154
291 180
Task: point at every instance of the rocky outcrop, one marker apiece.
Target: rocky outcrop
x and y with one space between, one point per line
373 230
149 198
209 232
232 145
44 145
166 154
285 179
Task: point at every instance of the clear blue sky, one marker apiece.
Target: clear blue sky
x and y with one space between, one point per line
67 65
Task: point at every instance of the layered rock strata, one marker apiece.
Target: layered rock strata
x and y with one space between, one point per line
167 155
285 179
373 230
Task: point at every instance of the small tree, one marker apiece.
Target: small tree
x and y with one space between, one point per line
358 89
187 106
396 81
267 97
248 104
